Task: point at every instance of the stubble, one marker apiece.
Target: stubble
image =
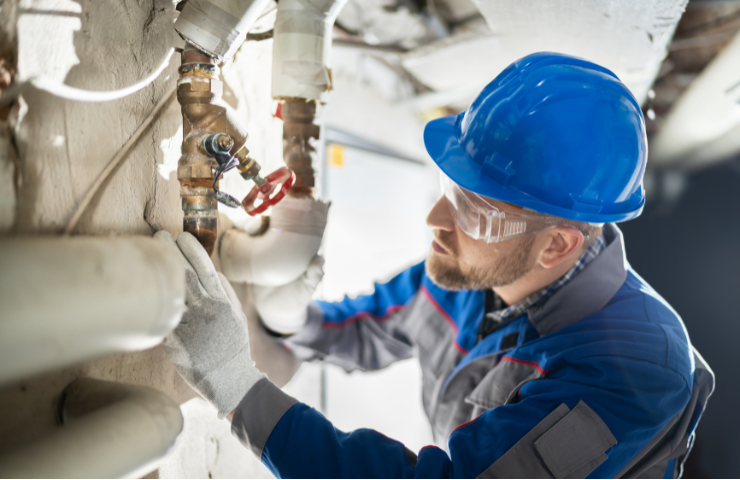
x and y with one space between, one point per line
483 273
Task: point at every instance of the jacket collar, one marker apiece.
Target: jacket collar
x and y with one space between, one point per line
588 292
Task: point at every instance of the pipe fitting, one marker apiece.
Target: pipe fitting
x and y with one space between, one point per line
283 252
218 27
300 136
302 48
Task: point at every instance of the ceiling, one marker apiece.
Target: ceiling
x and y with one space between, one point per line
449 49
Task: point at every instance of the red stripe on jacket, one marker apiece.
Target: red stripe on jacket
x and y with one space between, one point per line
444 314
525 362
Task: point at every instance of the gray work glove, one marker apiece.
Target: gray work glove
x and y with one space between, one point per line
284 309
210 347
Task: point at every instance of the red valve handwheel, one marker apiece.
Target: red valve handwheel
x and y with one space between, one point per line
282 175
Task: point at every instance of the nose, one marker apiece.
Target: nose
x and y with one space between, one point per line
439 216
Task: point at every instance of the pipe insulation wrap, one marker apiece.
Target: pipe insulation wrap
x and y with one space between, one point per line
218 27
111 430
283 309
285 250
302 47
73 299
703 124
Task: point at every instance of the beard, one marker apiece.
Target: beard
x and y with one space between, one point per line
503 270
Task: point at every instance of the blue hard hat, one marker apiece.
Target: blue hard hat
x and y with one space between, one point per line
553 133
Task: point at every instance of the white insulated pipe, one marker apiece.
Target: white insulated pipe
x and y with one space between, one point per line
283 252
302 48
111 430
218 27
704 124
73 299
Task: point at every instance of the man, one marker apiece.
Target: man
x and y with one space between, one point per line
543 353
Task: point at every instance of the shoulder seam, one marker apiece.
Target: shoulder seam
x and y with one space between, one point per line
644 305
686 381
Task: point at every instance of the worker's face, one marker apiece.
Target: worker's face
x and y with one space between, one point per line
457 262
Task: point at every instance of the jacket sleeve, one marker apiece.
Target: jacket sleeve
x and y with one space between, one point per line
363 333
581 420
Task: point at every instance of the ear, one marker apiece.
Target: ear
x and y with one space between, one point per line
562 243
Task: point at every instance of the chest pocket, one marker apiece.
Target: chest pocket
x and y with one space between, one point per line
501 385
433 336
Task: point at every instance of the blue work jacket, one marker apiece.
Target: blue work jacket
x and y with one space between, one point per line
599 381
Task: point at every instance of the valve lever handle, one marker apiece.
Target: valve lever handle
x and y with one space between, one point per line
266 192
218 146
227 199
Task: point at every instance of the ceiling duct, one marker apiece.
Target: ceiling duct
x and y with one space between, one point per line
628 37
703 127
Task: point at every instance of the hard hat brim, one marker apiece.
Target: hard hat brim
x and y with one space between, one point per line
440 140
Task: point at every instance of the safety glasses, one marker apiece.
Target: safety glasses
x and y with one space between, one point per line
482 221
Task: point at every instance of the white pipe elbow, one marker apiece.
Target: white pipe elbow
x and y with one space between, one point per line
111 430
284 252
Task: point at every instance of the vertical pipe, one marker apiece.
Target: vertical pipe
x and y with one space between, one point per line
301 77
300 135
198 92
302 49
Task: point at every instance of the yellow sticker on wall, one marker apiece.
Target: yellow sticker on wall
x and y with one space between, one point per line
336 155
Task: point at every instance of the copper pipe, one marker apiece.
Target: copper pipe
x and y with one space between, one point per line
199 92
300 135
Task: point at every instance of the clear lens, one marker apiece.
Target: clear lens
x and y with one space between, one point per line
466 214
482 221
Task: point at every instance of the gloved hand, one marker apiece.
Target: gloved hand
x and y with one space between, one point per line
210 347
283 309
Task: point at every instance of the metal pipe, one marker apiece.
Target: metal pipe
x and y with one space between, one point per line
110 430
301 77
213 143
73 299
300 137
199 92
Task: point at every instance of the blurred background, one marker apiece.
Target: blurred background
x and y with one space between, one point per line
395 65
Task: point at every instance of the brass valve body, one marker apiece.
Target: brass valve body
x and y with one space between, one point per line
299 143
199 92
